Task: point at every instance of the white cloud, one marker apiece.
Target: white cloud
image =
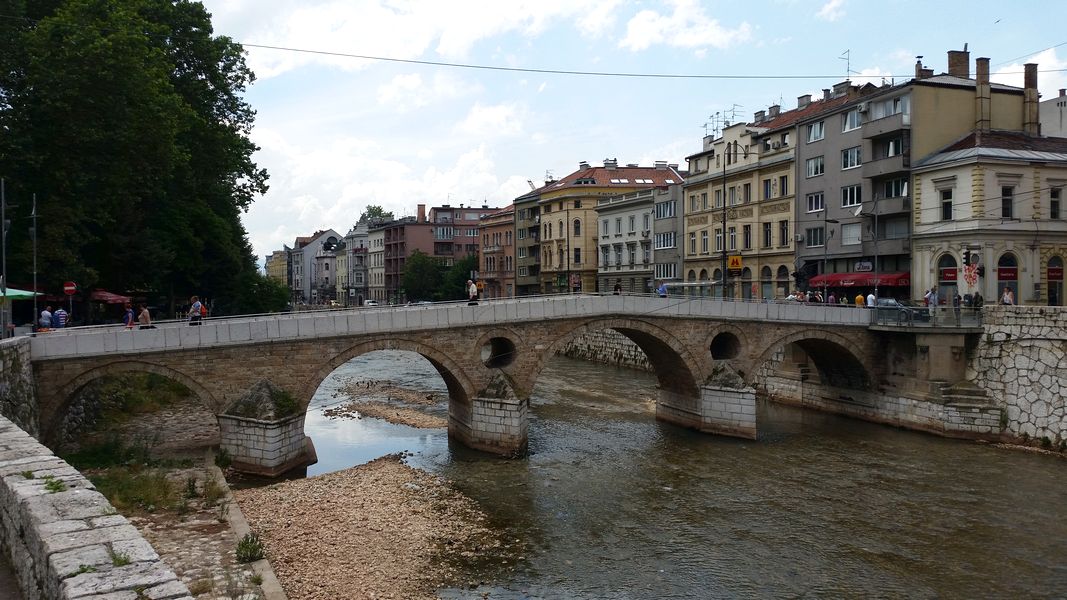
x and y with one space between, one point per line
831 11
686 27
1048 83
409 92
491 121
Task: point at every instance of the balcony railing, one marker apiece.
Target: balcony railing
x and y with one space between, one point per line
885 166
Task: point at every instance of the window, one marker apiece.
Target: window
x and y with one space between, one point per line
851 195
704 242
665 210
783 185
618 225
633 223
522 251
783 233
767 235
746 195
766 189
666 271
895 188
704 201
850 158
1054 203
850 234
946 205
814 237
816 131
733 238
632 250
746 237
605 228
692 242
577 203
733 196
524 271
816 202
718 240
851 120
646 222
894 147
692 202
522 234
577 256
1007 202
718 198
815 166
664 240
896 229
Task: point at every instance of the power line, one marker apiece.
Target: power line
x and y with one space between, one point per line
1029 54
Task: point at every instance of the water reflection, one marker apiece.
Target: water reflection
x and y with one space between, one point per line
613 504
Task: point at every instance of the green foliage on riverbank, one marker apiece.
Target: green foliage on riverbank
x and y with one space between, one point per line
132 489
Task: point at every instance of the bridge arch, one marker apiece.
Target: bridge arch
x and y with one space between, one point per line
839 360
68 391
676 368
460 387
727 341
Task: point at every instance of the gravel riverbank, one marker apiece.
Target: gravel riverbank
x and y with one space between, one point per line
379 530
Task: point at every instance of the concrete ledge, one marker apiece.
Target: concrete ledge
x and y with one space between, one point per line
64 538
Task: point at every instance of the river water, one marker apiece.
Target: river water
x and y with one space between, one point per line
613 504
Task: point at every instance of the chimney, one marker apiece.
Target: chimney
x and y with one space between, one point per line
840 89
826 93
583 165
981 95
1031 122
611 163
759 116
803 101
1063 92
422 213
919 67
772 111
959 63
661 165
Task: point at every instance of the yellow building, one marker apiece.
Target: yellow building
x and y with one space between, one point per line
569 229
277 266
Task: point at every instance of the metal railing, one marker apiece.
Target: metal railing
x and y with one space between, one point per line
942 317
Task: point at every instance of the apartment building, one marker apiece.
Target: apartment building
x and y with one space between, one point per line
667 229
497 268
626 241
1053 115
276 265
303 256
569 228
376 261
455 231
528 241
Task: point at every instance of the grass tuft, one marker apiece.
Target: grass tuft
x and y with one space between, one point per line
250 548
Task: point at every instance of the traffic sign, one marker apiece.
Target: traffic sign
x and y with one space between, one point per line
734 263
69 288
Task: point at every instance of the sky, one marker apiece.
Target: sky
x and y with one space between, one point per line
338 133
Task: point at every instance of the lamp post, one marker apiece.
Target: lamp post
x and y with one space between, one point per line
825 248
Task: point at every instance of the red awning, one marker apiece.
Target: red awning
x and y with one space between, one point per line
108 297
861 280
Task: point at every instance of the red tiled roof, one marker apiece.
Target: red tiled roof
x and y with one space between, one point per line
1009 140
604 175
790 117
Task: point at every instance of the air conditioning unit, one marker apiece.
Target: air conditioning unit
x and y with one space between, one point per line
776 145
863 106
798 238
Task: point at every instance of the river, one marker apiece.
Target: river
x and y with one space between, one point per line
613 504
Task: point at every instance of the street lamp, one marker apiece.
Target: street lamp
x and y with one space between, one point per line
825 248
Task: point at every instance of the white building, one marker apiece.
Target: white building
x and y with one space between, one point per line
1053 115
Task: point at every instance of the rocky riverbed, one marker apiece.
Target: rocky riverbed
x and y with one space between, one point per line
379 530
383 400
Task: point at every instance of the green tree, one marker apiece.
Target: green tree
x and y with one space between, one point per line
126 119
454 285
422 277
375 212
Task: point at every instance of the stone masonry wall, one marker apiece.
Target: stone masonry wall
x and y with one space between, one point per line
63 538
607 346
1021 361
269 447
18 401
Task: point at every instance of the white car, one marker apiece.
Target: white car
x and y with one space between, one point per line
370 303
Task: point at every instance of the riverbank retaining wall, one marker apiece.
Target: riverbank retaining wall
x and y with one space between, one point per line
1021 362
607 346
18 402
63 538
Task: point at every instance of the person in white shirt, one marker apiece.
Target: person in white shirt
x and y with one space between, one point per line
871 300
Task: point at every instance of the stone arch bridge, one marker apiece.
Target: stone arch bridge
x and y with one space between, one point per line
707 355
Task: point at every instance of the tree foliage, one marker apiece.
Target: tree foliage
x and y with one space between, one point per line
375 212
127 122
422 277
454 285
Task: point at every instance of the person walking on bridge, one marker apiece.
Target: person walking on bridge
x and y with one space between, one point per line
195 311
472 291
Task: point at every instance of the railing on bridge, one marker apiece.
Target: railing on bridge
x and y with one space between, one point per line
932 317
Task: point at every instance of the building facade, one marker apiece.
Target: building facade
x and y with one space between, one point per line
667 230
376 262
569 227
402 238
304 255
455 231
528 242
1053 115
276 265
497 269
626 242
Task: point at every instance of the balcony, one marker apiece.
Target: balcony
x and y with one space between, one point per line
890 206
886 125
492 249
887 247
886 166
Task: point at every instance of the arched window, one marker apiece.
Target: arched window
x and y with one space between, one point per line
1008 277
947 279
766 283
703 274
692 276
746 283
1055 281
577 228
562 231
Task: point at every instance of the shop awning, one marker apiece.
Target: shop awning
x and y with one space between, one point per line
107 297
17 294
861 280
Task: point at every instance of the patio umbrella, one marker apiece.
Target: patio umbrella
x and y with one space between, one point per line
108 297
17 294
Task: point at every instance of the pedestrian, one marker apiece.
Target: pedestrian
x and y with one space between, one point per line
195 311
977 301
59 318
617 290
472 293
931 300
957 300
45 321
859 300
818 297
1008 297
871 300
144 318
661 291
831 299
127 317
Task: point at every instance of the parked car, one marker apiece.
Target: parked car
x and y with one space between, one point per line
370 303
902 310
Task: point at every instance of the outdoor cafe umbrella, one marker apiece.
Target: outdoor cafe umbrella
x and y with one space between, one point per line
17 294
108 297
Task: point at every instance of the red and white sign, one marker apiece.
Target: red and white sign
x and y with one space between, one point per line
1055 273
69 288
948 274
1008 273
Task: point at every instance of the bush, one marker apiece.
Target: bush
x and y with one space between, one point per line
250 548
284 404
129 489
223 460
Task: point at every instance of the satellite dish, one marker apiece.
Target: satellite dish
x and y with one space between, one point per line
859 209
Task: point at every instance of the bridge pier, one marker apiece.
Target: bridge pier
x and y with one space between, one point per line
496 425
720 410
